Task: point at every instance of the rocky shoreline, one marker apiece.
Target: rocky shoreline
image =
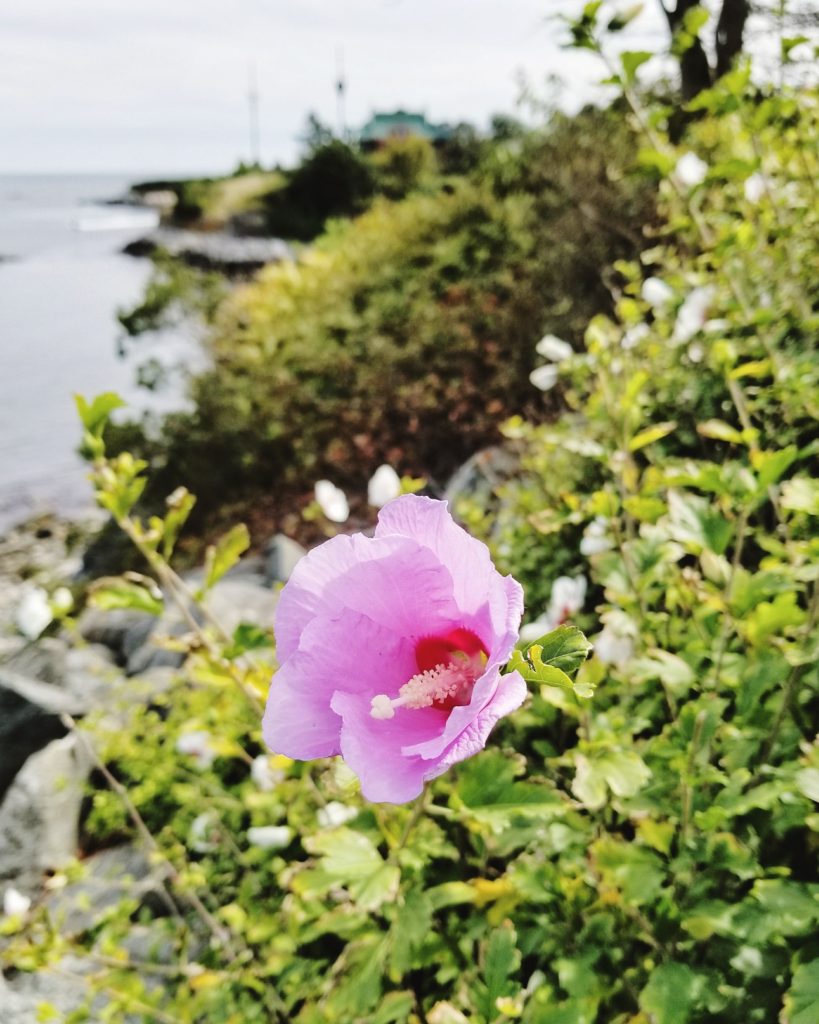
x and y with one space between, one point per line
101 662
212 250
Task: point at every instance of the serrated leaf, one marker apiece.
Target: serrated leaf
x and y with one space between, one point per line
350 859
488 787
625 771
222 556
651 434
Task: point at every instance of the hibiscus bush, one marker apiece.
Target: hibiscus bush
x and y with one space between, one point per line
638 848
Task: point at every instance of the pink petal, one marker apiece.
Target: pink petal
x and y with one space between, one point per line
372 748
429 523
392 580
298 720
476 581
509 696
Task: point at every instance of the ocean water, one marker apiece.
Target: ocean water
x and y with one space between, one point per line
62 279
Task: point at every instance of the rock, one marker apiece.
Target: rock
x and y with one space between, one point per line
63 986
40 813
213 249
282 555
121 630
233 600
43 660
29 719
90 675
122 872
57 680
481 475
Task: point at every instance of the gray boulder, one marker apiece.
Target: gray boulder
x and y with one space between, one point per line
282 555
121 630
110 876
235 599
29 719
40 813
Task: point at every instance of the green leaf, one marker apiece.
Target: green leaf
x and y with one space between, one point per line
350 859
695 19
120 593
801 494
794 905
655 160
223 555
670 994
565 648
770 466
395 1006
625 771
802 998
500 961
634 871
789 44
95 414
488 787
632 60
672 670
622 771
695 525
248 637
719 430
651 434
773 618
807 782
588 785
755 368
180 504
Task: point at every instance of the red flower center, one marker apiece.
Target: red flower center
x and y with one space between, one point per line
448 668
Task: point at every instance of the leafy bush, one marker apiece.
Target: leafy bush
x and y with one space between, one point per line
403 165
332 181
408 334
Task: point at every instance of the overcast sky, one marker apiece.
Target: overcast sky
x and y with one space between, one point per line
160 86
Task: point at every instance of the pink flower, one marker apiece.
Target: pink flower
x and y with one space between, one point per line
391 650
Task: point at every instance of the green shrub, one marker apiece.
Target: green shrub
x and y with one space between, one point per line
408 334
332 181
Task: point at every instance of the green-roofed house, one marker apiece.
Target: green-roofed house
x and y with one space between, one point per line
401 124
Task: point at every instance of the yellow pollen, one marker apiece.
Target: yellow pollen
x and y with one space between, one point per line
444 682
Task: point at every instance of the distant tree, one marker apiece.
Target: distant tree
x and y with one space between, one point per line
333 180
403 164
504 127
316 133
461 152
696 70
703 62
